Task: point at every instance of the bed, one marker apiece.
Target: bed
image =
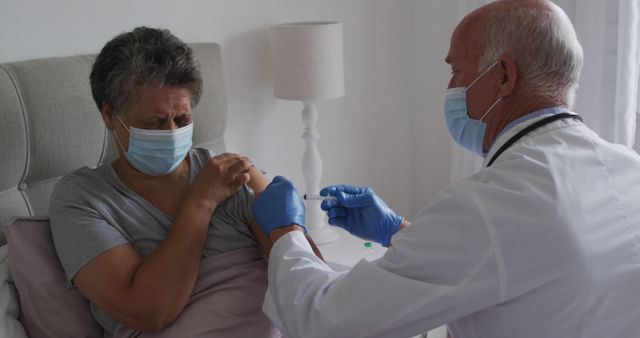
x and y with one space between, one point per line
50 127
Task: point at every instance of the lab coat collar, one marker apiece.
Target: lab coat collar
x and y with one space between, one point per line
519 124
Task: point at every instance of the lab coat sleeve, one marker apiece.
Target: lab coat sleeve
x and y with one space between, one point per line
441 268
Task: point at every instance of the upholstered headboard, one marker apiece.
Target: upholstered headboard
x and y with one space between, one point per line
50 126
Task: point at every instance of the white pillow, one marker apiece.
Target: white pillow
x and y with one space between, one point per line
9 307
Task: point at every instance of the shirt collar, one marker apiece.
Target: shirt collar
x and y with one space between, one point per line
518 124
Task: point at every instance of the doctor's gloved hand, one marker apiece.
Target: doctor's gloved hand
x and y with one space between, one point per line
279 205
362 213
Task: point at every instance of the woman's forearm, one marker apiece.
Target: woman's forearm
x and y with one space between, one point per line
164 281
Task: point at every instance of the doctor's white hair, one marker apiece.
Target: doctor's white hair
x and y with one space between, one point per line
543 44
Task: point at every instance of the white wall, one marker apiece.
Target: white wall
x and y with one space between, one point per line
434 23
387 132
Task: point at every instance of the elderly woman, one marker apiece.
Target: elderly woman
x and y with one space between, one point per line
131 235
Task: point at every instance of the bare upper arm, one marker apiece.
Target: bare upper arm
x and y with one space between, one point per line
258 183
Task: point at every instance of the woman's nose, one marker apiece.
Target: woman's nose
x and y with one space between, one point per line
170 125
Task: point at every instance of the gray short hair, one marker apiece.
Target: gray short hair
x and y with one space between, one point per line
144 57
542 43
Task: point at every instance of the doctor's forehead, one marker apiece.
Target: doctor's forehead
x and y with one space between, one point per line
470 35
465 44
457 44
456 54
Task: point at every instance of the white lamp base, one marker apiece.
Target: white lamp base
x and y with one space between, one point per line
315 220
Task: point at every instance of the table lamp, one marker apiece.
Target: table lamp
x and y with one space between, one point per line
308 66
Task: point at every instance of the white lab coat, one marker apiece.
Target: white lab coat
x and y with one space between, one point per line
545 243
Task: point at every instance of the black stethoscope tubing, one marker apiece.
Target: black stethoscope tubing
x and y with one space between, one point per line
531 128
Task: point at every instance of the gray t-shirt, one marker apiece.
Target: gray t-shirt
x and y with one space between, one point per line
92 211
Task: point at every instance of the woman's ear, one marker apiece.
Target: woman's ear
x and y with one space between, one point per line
509 75
107 116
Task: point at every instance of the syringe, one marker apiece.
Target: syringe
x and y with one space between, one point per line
310 197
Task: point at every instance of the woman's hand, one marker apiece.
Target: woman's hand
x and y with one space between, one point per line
219 178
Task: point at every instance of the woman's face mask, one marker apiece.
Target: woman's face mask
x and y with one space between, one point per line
157 152
467 132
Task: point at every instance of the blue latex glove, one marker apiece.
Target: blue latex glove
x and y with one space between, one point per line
279 205
362 213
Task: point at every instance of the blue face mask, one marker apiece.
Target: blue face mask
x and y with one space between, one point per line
467 132
157 152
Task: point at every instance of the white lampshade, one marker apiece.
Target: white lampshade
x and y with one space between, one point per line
308 60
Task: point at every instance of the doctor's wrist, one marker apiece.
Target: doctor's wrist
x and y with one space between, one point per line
281 231
404 224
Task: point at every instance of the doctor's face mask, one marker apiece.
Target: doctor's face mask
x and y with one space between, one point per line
157 152
467 132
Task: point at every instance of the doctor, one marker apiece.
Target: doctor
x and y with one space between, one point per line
544 241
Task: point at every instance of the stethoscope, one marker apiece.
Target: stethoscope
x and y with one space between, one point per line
531 128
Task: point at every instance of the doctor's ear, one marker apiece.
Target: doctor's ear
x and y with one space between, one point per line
509 75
